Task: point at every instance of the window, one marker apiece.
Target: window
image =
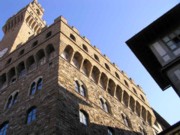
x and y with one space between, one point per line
9 104
80 89
96 57
117 75
48 34
21 52
72 37
9 61
35 43
3 128
104 105
85 48
31 115
107 67
83 117
67 53
172 40
126 83
33 88
134 90
126 120
142 98
110 131
15 98
39 84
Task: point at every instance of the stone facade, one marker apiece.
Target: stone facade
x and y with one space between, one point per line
64 60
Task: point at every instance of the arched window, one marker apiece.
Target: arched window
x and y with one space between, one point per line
126 120
9 103
83 91
9 61
134 90
149 119
143 113
132 104
110 131
21 52
126 83
12 75
3 81
107 67
77 60
104 105
21 69
117 75
39 84
85 48
48 34
15 98
86 67
40 55
4 128
67 53
77 86
142 98
33 88
119 93
50 51
35 43
95 74
103 81
31 65
138 109
83 117
126 99
96 57
111 87
31 115
72 37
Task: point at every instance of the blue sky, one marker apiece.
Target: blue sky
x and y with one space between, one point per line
108 24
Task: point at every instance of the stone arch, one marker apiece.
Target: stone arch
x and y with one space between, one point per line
3 80
77 60
67 53
86 68
119 93
138 108
51 53
40 56
132 103
143 113
12 75
95 74
126 98
103 80
21 69
30 62
111 87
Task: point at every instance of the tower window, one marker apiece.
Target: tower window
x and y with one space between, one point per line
12 100
31 115
21 52
126 120
117 75
85 48
72 37
35 43
107 67
96 57
48 34
126 83
9 61
3 128
83 117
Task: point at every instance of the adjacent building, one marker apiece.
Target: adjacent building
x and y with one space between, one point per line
54 82
158 48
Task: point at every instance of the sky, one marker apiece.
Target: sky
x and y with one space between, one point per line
108 24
